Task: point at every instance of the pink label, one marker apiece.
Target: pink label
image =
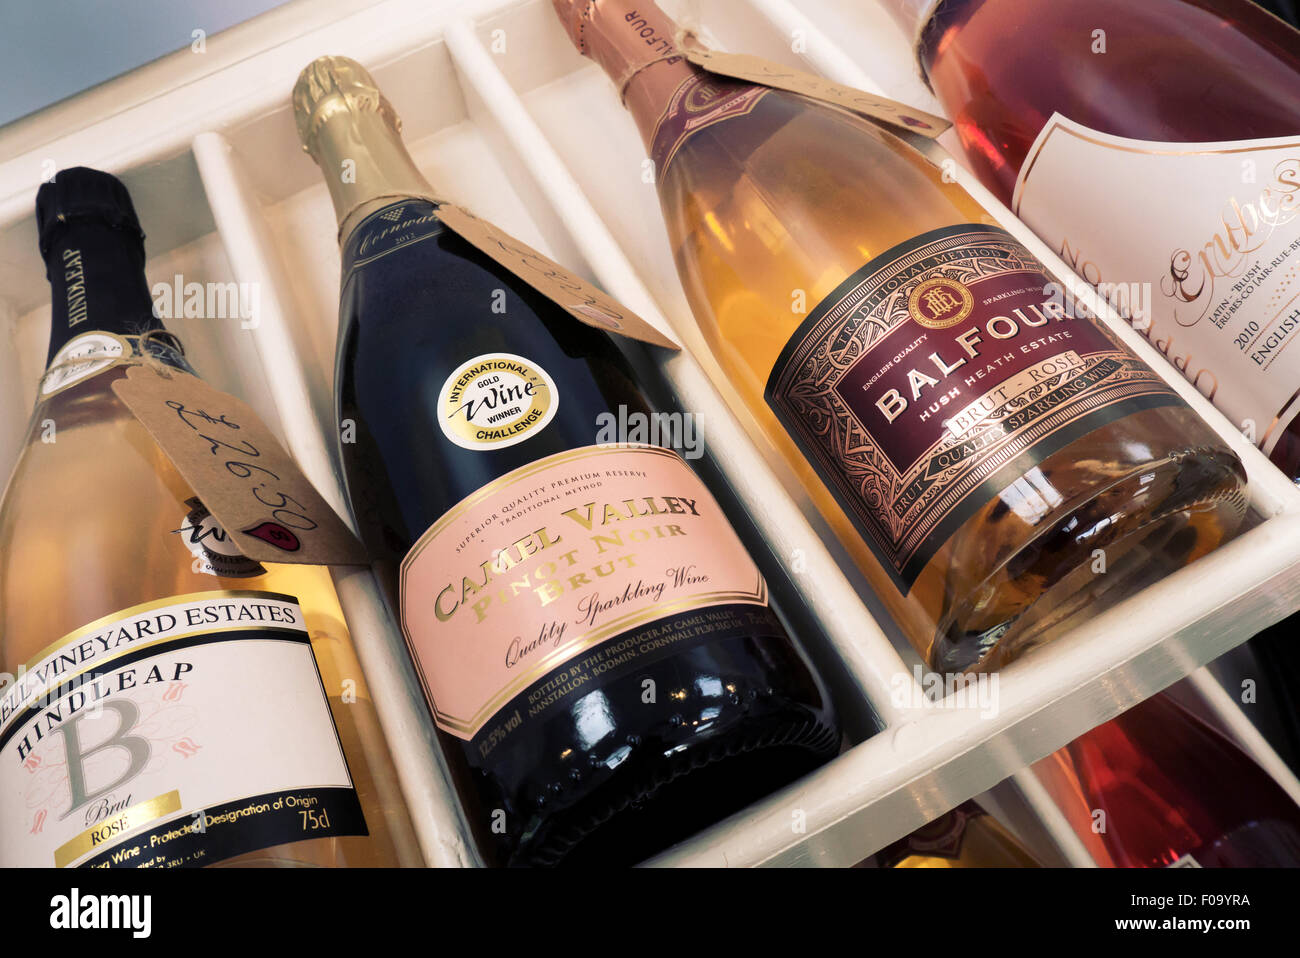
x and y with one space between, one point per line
555 558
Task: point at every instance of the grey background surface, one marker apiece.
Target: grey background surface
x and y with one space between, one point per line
52 49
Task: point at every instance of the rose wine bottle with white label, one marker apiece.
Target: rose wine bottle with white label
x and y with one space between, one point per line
1158 787
1156 147
997 462
169 702
597 647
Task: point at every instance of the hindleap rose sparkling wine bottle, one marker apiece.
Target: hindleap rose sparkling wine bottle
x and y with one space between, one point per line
596 644
1156 147
173 702
1172 791
973 444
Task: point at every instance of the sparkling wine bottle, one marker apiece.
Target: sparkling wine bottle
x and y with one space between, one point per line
982 449
1159 787
1156 147
169 702
966 837
596 644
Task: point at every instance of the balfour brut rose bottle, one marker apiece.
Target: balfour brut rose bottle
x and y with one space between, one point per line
597 647
169 701
1156 147
983 449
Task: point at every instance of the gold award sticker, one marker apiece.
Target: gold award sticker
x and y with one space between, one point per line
496 400
939 303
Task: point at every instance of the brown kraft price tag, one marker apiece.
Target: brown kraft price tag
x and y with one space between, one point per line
583 301
752 69
238 469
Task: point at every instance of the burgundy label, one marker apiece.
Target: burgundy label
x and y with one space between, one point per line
938 374
700 101
910 388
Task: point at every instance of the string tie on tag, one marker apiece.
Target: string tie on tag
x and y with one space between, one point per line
168 339
146 358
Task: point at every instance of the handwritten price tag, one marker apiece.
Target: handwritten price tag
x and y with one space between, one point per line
579 298
239 470
741 66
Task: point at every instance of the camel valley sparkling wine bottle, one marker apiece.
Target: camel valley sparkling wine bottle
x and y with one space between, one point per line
1156 147
596 644
169 702
997 462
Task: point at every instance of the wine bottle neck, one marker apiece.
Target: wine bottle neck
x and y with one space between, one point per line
636 44
364 163
648 94
97 283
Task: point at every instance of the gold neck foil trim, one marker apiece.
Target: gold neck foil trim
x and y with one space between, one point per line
353 133
330 86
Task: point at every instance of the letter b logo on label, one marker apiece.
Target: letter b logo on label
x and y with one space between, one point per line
135 746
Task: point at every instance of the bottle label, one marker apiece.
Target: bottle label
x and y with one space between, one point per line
939 374
1196 244
389 229
563 573
699 101
92 353
174 733
214 553
496 400
82 357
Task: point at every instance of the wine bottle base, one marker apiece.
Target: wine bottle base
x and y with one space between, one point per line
668 798
1099 552
654 755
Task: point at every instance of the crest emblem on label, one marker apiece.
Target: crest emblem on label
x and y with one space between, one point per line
940 302
496 400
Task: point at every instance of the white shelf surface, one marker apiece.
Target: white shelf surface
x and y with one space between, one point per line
504 116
